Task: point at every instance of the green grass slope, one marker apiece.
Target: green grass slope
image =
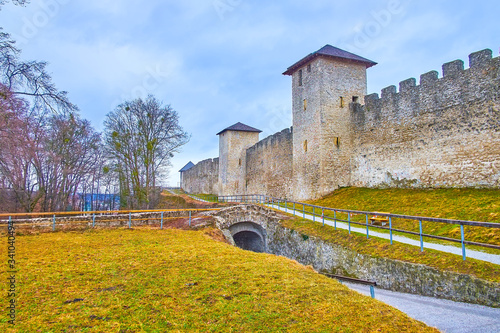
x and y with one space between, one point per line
150 280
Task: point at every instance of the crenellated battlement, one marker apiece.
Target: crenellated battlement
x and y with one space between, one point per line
273 139
453 70
457 86
439 131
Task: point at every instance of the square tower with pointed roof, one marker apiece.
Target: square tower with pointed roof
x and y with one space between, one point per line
324 83
233 143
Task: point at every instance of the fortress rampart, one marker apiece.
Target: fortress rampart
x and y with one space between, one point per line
443 132
269 165
202 178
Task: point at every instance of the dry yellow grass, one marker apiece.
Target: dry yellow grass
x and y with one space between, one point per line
147 280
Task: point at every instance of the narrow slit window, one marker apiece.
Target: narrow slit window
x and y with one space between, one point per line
341 102
239 162
305 146
336 141
300 77
305 104
309 68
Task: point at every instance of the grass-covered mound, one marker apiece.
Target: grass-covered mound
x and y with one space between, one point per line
461 204
149 280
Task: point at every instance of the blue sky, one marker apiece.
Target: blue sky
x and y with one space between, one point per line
218 62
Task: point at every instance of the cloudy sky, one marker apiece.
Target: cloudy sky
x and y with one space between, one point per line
218 62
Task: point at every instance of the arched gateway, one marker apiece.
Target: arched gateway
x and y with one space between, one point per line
246 226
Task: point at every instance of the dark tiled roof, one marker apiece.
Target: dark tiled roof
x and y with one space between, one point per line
240 127
187 167
332 52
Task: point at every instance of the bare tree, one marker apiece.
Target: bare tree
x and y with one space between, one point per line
71 155
141 137
16 2
30 79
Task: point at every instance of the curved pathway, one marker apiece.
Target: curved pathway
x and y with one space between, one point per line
493 258
445 315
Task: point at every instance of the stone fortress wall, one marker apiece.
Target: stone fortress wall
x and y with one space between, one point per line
269 165
444 132
202 178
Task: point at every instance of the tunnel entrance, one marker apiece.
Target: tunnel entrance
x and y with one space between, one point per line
249 240
249 236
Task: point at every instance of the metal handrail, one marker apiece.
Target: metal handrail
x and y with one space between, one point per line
270 200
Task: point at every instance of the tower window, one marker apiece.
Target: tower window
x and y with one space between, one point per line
341 102
305 146
355 99
336 141
239 162
305 104
309 68
300 77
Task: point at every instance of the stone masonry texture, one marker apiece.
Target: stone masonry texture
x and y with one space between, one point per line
443 132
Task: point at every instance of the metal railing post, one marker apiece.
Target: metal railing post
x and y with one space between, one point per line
303 211
130 219
286 207
372 292
367 230
93 220
323 216
294 208
54 222
190 218
390 227
463 239
349 220
335 219
314 214
161 223
421 237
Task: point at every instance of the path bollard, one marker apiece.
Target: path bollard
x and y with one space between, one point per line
372 291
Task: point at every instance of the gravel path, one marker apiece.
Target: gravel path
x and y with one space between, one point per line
445 315
493 258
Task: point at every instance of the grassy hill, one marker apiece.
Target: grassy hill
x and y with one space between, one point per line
150 280
462 204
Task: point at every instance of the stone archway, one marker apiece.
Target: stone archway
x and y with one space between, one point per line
249 236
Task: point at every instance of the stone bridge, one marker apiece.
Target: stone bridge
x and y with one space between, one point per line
258 229
248 226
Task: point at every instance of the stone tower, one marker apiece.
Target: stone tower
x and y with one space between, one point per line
324 83
233 142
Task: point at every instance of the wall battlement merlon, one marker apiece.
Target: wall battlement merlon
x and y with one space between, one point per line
271 139
428 81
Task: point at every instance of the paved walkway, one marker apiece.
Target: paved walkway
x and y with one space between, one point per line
493 258
445 315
